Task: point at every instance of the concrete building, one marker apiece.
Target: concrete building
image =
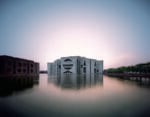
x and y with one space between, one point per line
11 66
75 65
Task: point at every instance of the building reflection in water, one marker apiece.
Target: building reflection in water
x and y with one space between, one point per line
76 81
9 85
17 74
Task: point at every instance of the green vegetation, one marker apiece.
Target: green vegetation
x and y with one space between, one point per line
139 68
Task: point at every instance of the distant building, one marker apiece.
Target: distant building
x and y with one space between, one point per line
75 65
12 66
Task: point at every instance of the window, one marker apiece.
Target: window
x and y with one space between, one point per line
19 70
20 64
1 67
84 70
9 63
95 64
24 64
67 72
66 60
68 66
8 70
94 70
24 70
84 63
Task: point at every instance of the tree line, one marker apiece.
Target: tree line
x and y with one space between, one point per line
139 68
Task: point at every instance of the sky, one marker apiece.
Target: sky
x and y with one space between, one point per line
115 31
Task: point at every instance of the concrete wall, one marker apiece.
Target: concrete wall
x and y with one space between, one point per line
51 68
99 66
93 67
69 65
85 66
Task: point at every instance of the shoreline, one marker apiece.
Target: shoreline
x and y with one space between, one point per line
128 75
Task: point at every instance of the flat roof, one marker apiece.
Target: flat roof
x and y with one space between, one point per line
6 56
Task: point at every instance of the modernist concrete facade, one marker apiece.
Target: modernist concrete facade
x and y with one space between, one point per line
75 65
11 66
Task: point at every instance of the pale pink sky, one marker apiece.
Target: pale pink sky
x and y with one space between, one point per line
116 31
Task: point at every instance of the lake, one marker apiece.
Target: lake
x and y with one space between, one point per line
67 97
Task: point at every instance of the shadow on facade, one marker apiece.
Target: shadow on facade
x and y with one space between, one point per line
10 85
75 81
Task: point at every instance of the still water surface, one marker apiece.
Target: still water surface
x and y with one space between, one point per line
107 97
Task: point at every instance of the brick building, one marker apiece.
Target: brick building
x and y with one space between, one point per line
12 66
